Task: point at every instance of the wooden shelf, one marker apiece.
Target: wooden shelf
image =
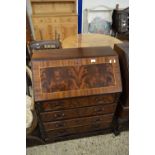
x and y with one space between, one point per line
53 18
53 6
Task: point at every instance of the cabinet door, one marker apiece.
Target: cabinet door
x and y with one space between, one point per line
37 32
68 29
50 27
57 31
44 32
50 32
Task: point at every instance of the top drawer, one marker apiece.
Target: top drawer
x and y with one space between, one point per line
77 113
77 102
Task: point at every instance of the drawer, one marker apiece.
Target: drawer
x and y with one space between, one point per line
77 130
77 102
68 19
79 112
77 122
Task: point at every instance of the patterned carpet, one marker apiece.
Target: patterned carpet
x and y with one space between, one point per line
96 145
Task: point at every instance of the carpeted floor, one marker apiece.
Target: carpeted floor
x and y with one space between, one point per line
96 145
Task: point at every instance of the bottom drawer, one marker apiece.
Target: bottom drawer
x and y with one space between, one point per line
76 130
77 122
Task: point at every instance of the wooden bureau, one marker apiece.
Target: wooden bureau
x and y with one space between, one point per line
76 90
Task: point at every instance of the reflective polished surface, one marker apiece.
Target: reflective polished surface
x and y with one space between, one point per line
89 40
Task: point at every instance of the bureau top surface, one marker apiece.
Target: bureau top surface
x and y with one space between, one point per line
124 46
73 53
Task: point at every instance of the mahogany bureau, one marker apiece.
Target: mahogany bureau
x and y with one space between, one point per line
76 90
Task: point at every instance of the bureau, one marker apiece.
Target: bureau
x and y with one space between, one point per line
76 91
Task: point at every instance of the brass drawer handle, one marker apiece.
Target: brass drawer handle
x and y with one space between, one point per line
99 101
58 104
99 109
59 115
49 106
60 125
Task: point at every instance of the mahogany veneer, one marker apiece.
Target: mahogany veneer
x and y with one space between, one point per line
76 90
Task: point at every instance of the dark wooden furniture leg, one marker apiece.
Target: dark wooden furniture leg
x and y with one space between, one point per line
115 126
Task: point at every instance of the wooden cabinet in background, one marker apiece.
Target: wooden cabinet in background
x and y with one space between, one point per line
44 7
28 30
54 18
49 27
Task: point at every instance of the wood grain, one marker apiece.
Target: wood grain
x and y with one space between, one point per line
37 64
78 112
51 25
67 111
59 79
77 102
77 122
73 53
53 6
28 31
77 130
89 40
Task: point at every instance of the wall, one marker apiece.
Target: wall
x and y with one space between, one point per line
110 3
88 4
